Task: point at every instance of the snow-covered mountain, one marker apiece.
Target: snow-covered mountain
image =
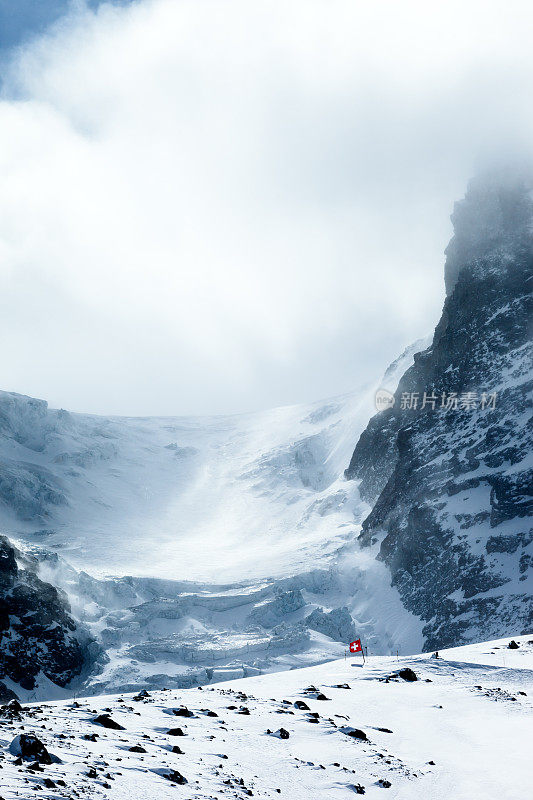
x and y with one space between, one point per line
413 727
448 469
184 551
185 498
194 549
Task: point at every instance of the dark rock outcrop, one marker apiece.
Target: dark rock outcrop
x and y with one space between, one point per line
175 777
37 631
108 722
29 748
446 468
407 674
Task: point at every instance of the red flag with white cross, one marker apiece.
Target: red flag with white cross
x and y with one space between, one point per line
355 647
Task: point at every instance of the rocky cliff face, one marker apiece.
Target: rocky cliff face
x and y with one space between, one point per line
37 633
448 468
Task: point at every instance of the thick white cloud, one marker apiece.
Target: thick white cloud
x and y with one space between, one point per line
214 206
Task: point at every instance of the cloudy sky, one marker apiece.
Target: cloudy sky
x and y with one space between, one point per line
212 206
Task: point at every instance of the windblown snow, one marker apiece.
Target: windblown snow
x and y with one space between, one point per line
199 549
213 499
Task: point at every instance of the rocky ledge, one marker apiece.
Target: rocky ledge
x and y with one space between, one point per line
38 635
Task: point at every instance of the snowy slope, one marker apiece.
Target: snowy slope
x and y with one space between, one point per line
461 730
212 499
238 534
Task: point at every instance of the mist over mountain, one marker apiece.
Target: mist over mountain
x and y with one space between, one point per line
212 584
193 549
448 469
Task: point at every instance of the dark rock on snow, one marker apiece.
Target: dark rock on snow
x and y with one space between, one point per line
107 722
355 733
407 674
175 732
182 712
175 777
29 748
11 710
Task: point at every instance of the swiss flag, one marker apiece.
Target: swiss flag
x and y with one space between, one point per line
355 647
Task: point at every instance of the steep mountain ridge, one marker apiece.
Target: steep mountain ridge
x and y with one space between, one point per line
38 635
448 468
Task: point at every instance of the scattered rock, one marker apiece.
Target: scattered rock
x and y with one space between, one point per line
354 733
11 710
182 712
407 674
29 748
176 732
301 705
175 777
142 695
107 722
513 645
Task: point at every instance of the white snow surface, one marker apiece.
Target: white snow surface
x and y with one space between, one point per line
461 731
213 499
